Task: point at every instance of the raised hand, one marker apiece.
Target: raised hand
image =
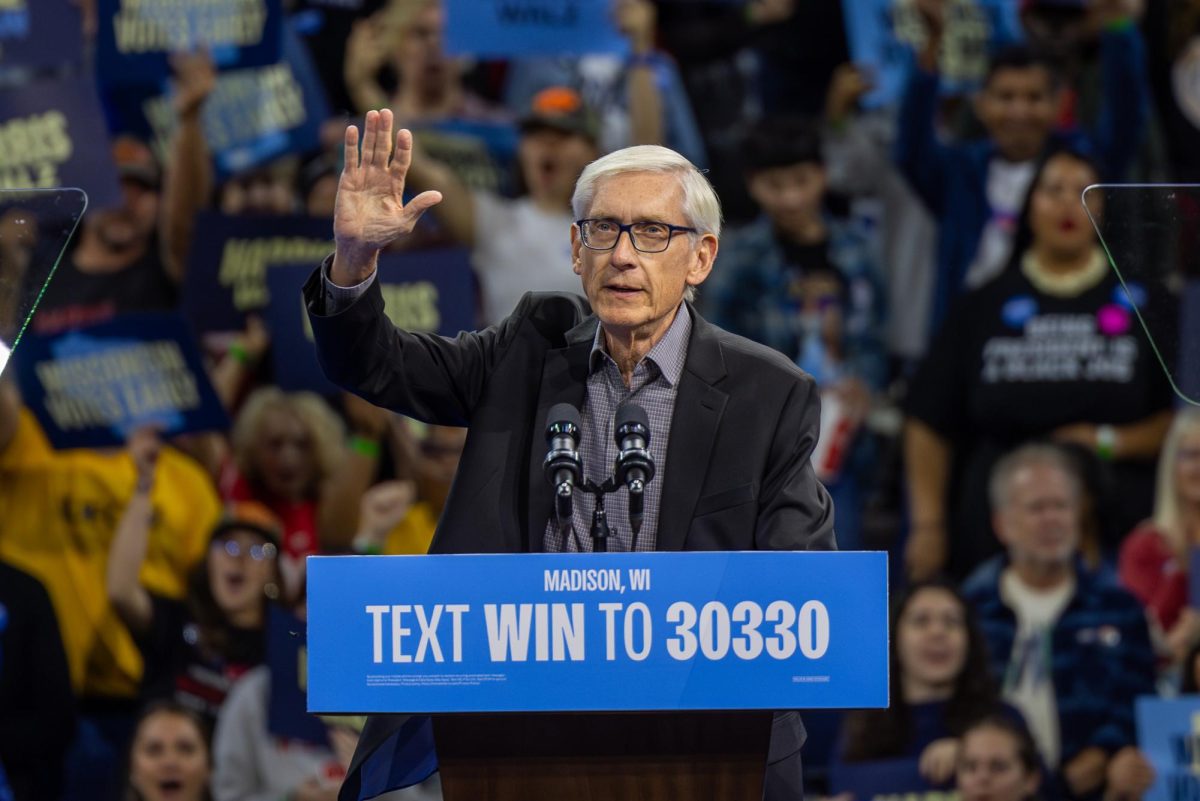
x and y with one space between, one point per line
370 212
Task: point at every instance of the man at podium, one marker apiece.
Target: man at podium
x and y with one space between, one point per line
732 424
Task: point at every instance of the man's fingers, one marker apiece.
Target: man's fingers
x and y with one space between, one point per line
350 154
383 140
402 155
370 137
421 204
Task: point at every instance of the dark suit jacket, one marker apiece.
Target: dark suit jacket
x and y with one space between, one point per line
738 473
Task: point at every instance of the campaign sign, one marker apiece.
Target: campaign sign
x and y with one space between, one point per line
518 28
597 632
1168 731
136 37
426 290
886 780
51 135
482 154
252 116
287 655
229 259
884 33
92 387
40 33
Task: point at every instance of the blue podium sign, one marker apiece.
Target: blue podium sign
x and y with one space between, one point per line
601 632
1168 731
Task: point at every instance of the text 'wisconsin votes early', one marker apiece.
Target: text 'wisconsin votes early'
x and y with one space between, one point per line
556 631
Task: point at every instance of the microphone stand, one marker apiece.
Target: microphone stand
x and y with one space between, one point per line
601 531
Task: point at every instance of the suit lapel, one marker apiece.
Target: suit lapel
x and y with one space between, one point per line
698 409
564 380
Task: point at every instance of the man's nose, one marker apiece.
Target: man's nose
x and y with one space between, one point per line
624 254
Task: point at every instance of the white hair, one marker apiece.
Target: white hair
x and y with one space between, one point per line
701 207
700 204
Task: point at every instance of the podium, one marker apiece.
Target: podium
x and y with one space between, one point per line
698 755
601 676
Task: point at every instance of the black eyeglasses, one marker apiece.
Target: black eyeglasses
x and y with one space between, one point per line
648 236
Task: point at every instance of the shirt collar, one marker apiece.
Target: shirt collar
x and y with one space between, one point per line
668 354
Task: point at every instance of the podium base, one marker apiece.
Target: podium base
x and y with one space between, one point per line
600 756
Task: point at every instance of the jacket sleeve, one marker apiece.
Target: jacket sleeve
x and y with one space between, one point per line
795 511
432 378
920 156
1132 675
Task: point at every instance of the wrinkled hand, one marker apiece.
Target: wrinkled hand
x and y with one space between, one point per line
1130 775
847 86
382 508
939 759
144 445
925 552
637 20
195 79
370 212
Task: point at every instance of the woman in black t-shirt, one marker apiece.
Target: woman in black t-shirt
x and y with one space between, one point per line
194 649
1050 349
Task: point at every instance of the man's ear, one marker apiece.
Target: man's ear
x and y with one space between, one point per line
706 255
576 250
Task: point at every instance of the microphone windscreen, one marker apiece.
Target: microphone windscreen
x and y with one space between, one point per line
563 413
631 413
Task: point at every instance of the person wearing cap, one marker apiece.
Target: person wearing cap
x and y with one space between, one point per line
194 649
514 242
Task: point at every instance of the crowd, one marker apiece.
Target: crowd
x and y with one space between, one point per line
996 415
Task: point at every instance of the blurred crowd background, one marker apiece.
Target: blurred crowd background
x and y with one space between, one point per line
1002 412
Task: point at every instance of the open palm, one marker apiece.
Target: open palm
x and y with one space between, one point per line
370 211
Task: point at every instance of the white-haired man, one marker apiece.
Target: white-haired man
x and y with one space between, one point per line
732 423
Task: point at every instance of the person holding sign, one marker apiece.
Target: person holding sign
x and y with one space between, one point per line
733 422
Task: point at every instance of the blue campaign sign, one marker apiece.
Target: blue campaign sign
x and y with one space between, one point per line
601 632
516 28
136 37
287 655
426 290
40 33
230 257
51 135
884 33
253 116
91 387
885 780
1168 731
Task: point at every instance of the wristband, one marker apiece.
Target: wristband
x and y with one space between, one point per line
1106 442
239 353
364 446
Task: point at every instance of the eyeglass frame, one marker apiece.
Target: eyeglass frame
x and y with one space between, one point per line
232 548
627 228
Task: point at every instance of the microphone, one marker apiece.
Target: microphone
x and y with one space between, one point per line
563 467
635 465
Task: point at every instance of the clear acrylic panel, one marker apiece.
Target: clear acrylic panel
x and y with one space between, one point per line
35 227
1151 236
